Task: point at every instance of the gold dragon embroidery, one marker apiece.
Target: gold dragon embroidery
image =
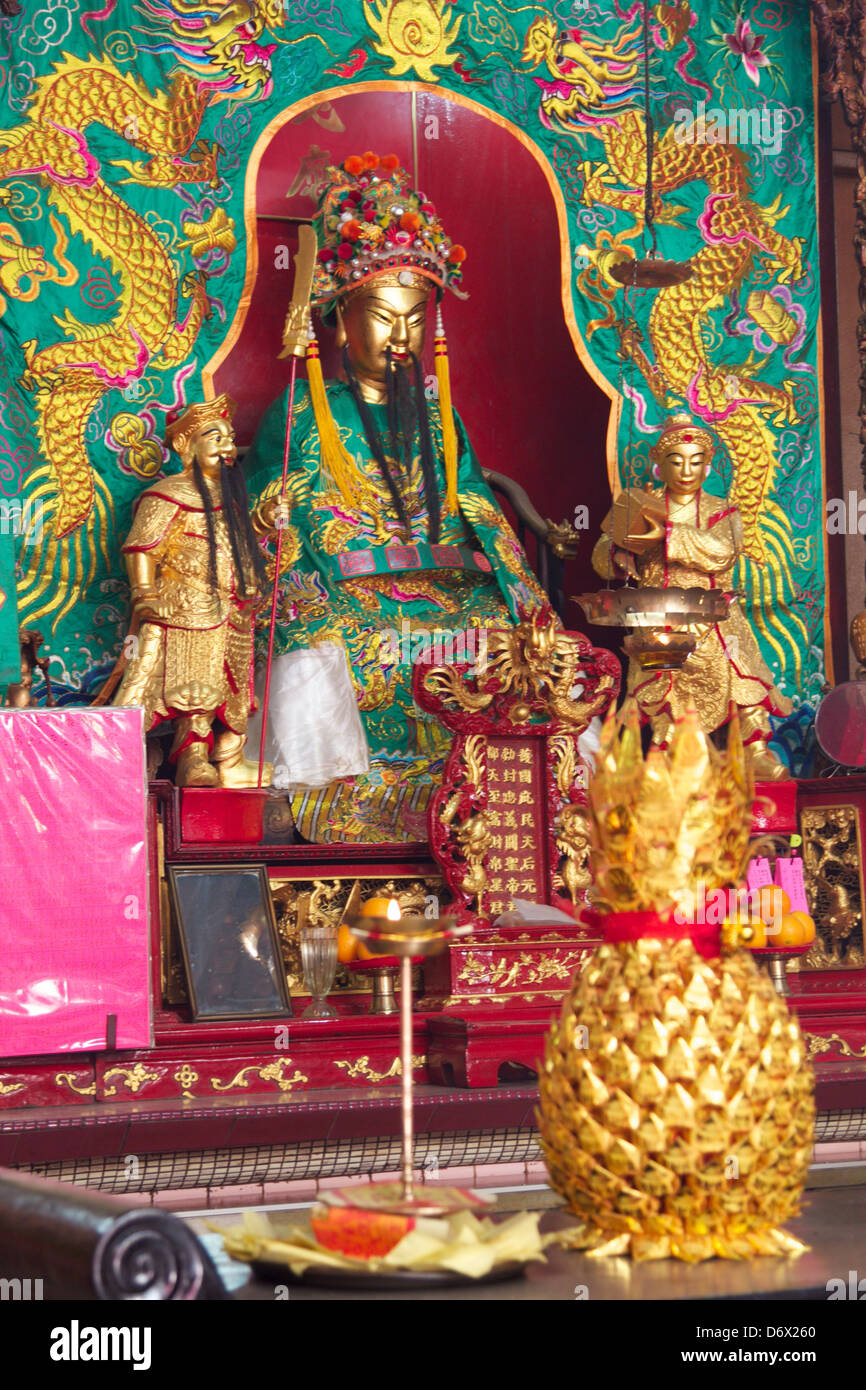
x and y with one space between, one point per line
593 87
149 326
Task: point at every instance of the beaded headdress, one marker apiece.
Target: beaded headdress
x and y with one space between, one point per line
370 220
371 223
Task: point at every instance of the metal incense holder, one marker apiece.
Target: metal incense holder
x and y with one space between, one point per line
651 608
408 937
653 615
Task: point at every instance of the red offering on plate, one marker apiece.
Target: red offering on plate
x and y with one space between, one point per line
365 1235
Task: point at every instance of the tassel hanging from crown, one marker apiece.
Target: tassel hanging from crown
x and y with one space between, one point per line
449 433
338 465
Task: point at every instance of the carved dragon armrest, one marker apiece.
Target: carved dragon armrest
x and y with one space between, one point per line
556 542
519 499
561 536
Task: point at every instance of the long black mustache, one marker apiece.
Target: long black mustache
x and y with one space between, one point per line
247 558
406 409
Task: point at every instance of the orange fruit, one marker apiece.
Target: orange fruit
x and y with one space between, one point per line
347 944
792 931
741 925
807 926
773 904
375 907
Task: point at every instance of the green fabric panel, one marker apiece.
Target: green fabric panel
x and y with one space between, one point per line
10 652
106 151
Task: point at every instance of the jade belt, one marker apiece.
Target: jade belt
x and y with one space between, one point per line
420 555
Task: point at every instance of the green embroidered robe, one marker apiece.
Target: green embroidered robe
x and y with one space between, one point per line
348 576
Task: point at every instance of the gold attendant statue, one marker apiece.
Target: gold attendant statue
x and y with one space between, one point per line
197 575
680 536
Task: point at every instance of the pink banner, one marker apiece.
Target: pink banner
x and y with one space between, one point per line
74 943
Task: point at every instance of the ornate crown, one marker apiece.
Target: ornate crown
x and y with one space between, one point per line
369 221
182 426
682 429
661 824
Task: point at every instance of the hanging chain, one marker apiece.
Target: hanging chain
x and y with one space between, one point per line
648 210
630 316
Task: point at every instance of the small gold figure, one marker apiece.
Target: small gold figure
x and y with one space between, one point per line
682 537
197 577
19 694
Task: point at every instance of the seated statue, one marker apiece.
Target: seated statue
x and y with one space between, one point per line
197 575
394 542
681 536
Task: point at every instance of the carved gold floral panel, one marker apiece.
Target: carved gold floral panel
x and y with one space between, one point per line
833 870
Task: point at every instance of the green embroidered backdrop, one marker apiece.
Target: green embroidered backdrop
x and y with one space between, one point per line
125 135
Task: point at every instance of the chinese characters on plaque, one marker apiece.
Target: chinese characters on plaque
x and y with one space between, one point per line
515 864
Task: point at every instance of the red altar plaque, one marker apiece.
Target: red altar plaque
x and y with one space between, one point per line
508 822
74 967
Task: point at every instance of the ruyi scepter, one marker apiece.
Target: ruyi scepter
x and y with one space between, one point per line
296 337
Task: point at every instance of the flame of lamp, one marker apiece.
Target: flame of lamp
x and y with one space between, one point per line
655 649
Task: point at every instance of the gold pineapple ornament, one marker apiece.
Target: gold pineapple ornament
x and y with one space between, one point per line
677 1106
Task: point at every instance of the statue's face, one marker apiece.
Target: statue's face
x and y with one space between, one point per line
683 468
382 316
213 444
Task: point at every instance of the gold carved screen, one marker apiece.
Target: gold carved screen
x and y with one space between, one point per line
833 871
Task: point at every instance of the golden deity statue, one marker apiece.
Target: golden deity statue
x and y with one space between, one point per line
197 576
391 537
680 536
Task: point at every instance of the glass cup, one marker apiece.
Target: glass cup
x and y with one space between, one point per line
319 959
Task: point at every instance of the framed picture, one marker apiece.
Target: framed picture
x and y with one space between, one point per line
228 935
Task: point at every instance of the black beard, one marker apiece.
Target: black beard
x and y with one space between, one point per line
247 558
406 406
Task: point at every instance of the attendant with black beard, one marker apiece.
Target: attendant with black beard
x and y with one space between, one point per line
197 575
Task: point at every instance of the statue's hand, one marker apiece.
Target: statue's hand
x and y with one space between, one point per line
271 516
639 545
144 603
654 511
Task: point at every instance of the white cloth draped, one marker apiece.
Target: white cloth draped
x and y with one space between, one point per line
315 734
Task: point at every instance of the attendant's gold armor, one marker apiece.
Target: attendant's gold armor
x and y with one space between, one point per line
193 661
693 540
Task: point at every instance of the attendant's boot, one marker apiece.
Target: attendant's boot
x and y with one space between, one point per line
233 769
756 732
189 754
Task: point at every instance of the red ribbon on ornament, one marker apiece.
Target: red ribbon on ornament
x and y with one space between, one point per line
635 926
